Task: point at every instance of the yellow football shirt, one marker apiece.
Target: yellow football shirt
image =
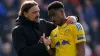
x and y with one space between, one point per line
65 37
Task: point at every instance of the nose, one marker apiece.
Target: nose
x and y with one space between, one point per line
38 14
52 18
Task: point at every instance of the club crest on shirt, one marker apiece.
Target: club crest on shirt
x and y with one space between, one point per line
55 35
66 32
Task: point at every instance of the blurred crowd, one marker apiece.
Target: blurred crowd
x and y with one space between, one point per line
87 11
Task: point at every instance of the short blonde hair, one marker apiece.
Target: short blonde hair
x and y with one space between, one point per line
26 5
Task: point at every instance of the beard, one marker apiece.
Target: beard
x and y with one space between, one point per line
37 20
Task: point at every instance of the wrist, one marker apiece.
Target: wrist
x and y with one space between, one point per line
47 47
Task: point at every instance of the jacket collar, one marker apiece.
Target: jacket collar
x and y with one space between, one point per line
22 20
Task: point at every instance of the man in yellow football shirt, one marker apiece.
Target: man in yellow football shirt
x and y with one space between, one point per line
66 39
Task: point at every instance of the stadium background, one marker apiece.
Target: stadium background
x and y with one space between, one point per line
88 12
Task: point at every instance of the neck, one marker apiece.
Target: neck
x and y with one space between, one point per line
63 21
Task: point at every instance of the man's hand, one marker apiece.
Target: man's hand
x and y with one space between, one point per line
71 19
46 40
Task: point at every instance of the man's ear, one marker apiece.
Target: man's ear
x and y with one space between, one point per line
25 14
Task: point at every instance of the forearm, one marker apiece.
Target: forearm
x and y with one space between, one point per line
81 49
51 51
81 53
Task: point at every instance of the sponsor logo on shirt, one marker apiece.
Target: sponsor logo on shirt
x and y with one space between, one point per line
64 42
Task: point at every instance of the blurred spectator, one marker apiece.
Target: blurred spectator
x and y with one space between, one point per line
8 13
21 1
69 8
89 12
97 50
48 1
94 25
89 15
9 37
82 2
43 9
88 51
1 43
7 50
80 14
75 2
11 12
3 19
96 31
96 4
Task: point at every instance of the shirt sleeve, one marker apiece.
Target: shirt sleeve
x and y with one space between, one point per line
79 33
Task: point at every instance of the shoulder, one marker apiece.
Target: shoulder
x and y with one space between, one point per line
17 29
41 19
76 25
45 21
55 30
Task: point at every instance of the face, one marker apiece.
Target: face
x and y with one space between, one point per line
55 16
9 3
33 14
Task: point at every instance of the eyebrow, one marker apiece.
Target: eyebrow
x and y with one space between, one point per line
37 11
51 12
